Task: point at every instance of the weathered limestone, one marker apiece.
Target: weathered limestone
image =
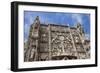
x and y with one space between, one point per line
56 42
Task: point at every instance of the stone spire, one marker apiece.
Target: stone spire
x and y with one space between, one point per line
36 22
35 27
80 29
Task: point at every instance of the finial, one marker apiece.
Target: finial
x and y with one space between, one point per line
37 18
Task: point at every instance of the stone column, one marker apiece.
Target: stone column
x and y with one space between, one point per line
49 31
74 47
82 41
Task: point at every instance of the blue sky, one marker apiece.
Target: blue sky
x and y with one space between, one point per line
56 18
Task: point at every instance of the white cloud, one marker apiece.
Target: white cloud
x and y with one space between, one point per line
26 31
87 36
29 19
25 40
77 18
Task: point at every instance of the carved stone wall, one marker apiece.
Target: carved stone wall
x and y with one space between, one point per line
55 42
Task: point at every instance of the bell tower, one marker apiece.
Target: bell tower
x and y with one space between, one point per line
35 28
33 41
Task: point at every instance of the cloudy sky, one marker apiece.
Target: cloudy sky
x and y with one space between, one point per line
56 18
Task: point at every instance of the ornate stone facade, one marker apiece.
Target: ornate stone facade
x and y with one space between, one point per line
56 42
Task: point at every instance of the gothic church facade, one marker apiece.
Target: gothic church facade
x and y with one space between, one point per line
56 42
